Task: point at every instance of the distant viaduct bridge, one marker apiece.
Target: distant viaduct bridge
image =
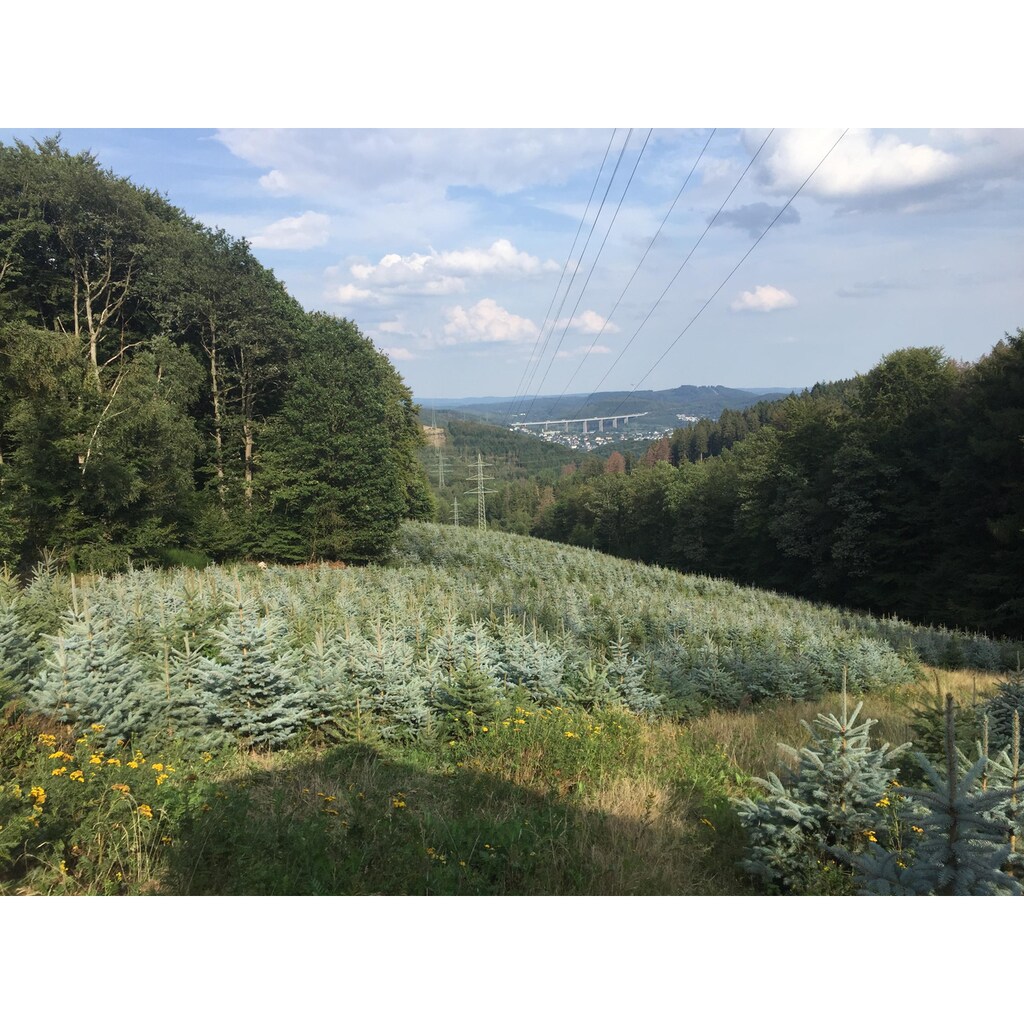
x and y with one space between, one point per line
599 420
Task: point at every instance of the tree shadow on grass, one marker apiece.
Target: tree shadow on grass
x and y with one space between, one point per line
355 820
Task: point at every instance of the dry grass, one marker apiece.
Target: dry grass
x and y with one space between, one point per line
750 739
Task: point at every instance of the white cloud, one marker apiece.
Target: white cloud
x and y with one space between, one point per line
349 293
306 231
588 322
763 299
444 273
276 183
487 321
871 165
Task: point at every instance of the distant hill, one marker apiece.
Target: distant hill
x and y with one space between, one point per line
662 407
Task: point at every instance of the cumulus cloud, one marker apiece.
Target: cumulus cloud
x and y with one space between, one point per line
276 183
306 231
755 217
444 273
763 299
351 295
487 321
869 166
588 322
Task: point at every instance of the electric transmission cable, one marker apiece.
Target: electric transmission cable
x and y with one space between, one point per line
650 245
593 267
657 362
565 267
696 244
579 263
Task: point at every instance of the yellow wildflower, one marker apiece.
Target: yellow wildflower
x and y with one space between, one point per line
145 810
114 761
47 739
157 767
162 778
485 729
59 771
395 802
120 787
133 764
78 776
95 759
38 794
96 727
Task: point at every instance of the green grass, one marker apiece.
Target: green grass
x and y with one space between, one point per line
530 802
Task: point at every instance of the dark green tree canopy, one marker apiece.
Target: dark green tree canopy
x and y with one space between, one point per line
152 372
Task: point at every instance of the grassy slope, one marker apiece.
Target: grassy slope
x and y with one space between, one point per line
532 800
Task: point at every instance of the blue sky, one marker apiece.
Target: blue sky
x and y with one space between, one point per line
447 246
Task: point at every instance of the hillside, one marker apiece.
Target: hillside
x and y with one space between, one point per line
898 491
662 407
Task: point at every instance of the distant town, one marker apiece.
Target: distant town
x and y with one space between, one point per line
586 435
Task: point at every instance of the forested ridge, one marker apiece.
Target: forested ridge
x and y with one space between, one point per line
900 491
163 398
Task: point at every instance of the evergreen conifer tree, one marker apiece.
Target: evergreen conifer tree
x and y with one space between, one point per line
252 690
834 797
963 846
91 676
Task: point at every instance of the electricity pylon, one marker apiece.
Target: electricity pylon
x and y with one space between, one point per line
455 513
481 510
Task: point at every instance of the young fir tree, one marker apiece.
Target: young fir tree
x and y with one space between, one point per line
963 845
20 651
91 676
1000 708
834 797
181 709
252 690
626 674
338 705
1005 775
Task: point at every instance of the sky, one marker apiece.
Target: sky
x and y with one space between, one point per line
472 258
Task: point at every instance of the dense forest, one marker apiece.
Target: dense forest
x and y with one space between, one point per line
901 491
163 399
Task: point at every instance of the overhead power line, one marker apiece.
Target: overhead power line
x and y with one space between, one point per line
650 245
579 263
561 277
593 267
725 281
674 277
